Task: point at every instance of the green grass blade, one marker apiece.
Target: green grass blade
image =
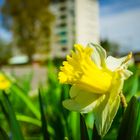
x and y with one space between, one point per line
3 135
83 129
130 126
10 115
16 90
43 120
28 119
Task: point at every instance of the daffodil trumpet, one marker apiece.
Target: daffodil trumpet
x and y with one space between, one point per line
97 81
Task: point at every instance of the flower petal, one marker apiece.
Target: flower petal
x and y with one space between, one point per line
72 105
115 63
81 100
99 55
105 114
106 111
127 74
4 82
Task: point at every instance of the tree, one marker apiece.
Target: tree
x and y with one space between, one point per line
110 47
5 52
30 22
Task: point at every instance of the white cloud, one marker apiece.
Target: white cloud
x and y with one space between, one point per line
123 28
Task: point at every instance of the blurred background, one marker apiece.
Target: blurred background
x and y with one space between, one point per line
36 31
36 35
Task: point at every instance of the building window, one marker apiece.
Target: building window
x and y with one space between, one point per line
63 16
64 49
63 0
63 33
63 8
64 41
62 25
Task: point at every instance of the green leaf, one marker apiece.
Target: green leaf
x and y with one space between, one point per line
11 117
131 86
43 120
16 90
130 125
83 129
3 135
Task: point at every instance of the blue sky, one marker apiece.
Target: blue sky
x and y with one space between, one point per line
4 34
119 22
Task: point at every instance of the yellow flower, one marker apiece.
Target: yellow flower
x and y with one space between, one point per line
97 81
4 82
81 71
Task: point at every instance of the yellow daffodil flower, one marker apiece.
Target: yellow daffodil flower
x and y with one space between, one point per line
97 81
4 82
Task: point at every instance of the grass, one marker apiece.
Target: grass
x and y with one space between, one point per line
42 116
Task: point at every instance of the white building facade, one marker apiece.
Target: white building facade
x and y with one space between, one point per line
77 21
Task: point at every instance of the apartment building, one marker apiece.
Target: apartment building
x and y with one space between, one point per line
76 21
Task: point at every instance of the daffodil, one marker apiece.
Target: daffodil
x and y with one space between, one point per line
97 81
4 82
